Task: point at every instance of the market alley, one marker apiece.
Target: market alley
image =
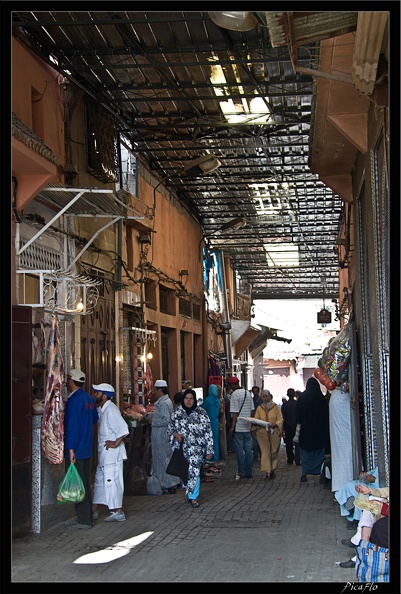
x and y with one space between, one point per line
246 531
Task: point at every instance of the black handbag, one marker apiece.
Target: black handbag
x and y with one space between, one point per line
178 465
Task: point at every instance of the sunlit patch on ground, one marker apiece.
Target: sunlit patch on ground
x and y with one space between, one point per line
113 552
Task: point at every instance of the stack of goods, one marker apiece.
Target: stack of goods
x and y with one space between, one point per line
133 412
333 365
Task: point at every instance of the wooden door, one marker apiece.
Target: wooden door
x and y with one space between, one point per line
98 351
21 408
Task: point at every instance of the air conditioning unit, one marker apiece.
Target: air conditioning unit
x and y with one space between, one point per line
130 298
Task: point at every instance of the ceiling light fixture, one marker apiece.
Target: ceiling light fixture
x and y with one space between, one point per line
235 224
234 21
201 166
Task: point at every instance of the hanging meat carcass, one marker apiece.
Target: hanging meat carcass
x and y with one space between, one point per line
53 415
148 390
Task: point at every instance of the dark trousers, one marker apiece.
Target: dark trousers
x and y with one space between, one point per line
84 508
292 449
379 534
230 442
255 446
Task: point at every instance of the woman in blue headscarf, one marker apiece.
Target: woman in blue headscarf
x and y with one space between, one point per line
211 404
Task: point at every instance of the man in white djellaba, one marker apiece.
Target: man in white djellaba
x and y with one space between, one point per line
161 448
109 482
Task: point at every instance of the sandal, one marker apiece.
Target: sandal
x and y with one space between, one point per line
268 477
194 503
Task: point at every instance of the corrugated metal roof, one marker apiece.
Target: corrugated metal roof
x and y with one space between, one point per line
152 72
300 28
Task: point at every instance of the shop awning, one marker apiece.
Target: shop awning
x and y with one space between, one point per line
260 342
85 202
242 334
94 202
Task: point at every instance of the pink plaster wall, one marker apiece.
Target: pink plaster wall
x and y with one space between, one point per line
29 72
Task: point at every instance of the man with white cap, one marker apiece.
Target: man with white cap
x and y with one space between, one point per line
109 482
79 417
161 448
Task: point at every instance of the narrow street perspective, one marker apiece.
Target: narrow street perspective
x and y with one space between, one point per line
200 297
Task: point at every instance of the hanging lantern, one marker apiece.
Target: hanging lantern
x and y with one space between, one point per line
324 316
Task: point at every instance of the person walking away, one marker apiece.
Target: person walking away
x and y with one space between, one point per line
270 438
222 427
190 425
241 405
289 412
80 416
109 482
257 401
227 401
211 404
313 417
342 465
160 444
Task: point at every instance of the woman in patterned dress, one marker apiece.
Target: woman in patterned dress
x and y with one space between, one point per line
190 423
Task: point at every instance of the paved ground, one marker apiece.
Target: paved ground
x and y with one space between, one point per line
247 531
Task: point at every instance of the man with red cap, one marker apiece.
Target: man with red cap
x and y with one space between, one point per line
241 405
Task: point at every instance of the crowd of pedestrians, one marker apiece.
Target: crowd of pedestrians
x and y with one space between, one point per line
229 419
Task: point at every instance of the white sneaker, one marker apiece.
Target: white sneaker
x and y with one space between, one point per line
116 517
95 515
237 476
